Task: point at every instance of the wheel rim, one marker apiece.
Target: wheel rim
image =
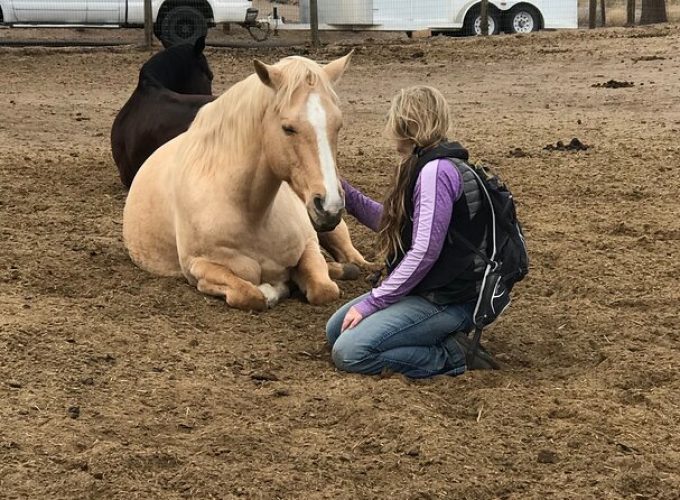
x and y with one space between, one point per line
185 28
523 22
478 25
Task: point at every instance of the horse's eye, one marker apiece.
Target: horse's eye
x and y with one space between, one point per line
289 130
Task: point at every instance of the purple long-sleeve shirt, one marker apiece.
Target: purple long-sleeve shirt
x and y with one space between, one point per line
438 187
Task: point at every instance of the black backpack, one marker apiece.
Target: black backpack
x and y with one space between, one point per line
507 260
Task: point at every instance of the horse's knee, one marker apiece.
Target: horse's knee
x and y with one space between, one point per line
319 294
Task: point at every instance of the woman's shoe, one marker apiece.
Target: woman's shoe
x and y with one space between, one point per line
483 360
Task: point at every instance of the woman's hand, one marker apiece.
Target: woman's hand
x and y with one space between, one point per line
352 319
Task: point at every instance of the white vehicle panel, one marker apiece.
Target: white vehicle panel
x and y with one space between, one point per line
35 11
104 12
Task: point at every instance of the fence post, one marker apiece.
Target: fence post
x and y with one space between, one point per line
314 21
485 17
592 14
603 13
148 24
630 13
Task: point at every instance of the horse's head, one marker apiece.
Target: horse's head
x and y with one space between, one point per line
181 68
301 133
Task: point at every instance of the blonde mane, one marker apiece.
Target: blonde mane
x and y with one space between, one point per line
228 127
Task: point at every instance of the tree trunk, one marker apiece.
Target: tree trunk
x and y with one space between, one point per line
653 11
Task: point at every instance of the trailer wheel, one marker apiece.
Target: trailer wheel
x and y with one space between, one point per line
182 24
473 21
523 19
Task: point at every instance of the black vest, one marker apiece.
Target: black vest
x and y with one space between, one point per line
455 276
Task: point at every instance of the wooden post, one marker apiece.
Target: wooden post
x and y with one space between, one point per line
314 21
653 11
630 13
148 24
485 17
603 13
592 15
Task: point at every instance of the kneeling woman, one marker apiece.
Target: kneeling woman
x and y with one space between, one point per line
416 321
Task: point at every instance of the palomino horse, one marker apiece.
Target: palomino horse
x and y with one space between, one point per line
173 85
233 203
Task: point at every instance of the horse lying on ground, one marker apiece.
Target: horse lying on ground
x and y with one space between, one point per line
173 85
233 203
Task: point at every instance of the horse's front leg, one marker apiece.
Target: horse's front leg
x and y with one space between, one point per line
311 275
216 279
339 244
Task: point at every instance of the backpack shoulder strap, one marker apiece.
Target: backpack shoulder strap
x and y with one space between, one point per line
462 166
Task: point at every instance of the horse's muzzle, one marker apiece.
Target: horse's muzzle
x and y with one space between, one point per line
324 221
324 218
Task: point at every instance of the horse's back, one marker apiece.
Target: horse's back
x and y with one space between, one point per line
151 117
148 217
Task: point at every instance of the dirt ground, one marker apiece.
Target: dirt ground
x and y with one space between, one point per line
118 384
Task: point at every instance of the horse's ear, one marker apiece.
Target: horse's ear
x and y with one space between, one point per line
199 45
269 75
335 69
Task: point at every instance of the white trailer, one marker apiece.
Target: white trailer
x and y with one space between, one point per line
513 16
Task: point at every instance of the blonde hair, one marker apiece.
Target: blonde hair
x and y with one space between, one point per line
420 115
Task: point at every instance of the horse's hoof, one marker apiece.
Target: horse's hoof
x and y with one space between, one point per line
270 295
273 294
350 272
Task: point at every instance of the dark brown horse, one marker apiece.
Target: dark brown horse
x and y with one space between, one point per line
173 85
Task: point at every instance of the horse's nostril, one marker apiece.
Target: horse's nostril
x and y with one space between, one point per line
318 203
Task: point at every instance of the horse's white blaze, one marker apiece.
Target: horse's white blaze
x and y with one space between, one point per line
317 118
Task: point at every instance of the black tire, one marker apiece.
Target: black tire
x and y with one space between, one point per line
182 24
522 19
471 23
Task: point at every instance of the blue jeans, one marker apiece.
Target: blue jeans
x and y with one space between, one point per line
413 337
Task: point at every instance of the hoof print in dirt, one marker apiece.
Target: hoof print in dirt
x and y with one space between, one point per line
613 84
574 145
